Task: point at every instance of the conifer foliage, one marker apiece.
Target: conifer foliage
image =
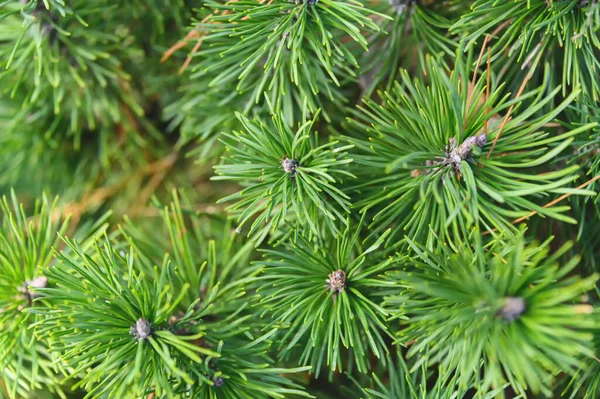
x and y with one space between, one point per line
266 199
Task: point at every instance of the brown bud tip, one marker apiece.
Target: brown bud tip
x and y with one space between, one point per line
336 281
512 309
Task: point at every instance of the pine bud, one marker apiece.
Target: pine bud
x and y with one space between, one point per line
309 2
512 309
456 154
466 148
336 281
401 5
289 166
142 329
219 382
37 282
583 3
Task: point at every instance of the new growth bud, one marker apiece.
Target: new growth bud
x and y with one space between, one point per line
142 329
336 281
512 309
289 166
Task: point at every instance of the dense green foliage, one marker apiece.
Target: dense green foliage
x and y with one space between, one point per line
363 199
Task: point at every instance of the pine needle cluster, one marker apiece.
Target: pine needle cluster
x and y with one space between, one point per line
268 199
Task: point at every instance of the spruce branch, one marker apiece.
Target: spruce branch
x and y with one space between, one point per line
289 176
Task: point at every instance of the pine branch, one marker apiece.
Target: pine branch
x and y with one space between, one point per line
323 297
419 157
115 333
419 28
565 32
301 49
26 253
131 328
210 257
420 383
70 59
288 176
496 303
244 370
